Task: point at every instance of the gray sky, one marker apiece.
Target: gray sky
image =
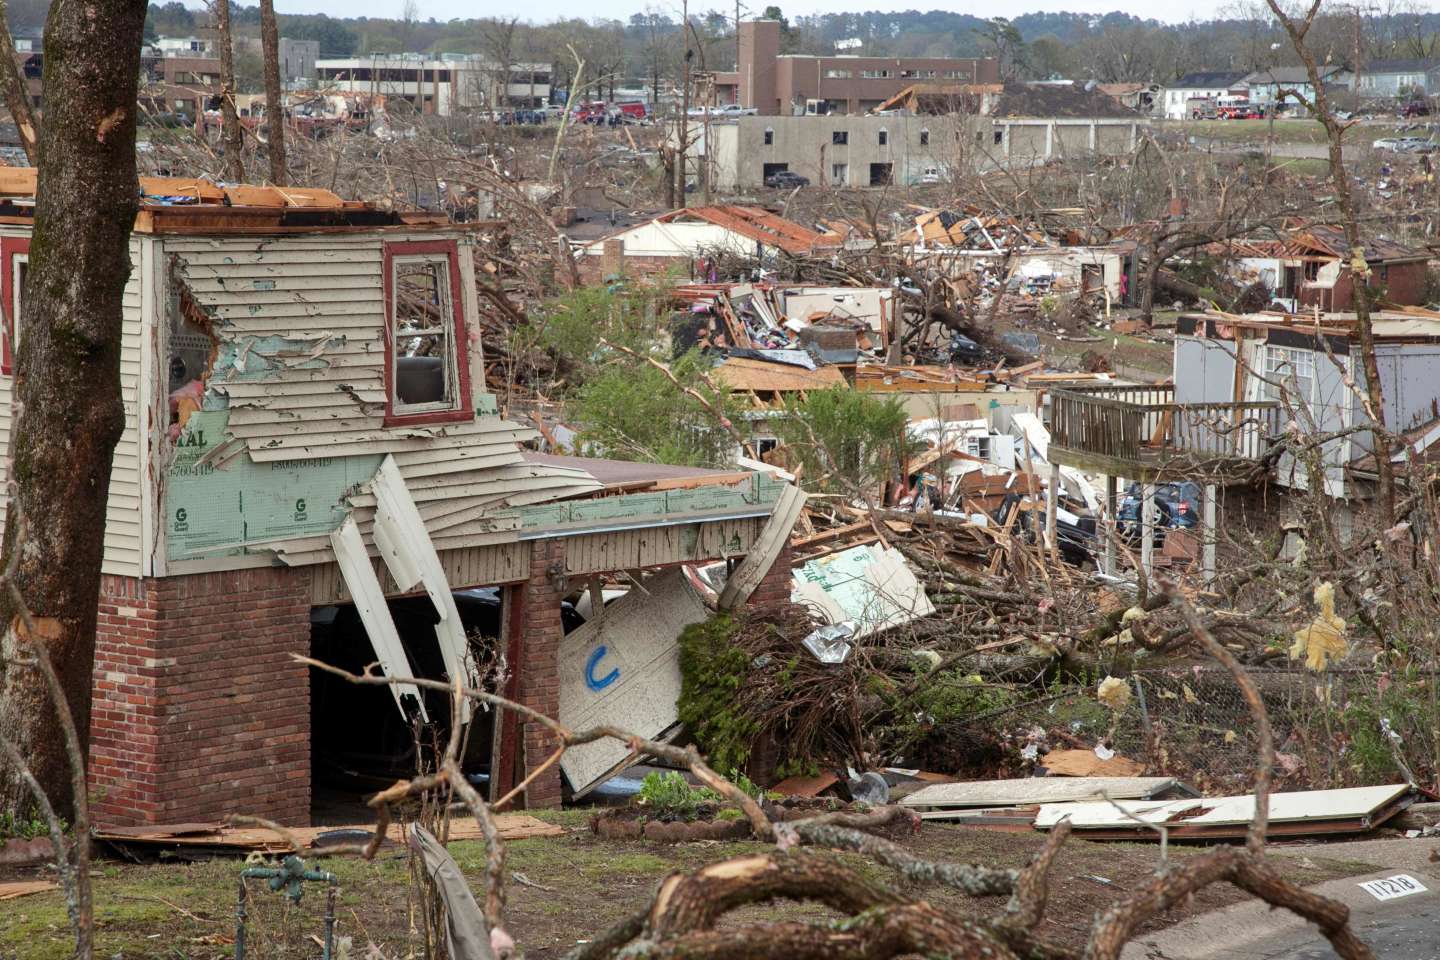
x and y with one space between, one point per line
542 10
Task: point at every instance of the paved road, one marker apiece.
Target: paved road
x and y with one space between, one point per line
1407 928
1406 932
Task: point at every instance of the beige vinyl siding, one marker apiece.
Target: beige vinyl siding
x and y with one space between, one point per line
122 513
324 295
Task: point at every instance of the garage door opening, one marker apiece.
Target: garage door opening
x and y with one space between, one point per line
360 740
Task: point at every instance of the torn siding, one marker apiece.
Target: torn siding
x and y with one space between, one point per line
294 405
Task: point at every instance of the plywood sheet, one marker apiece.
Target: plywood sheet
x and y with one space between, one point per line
23 888
623 668
512 826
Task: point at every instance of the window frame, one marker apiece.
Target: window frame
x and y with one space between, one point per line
13 252
405 250
1287 366
839 138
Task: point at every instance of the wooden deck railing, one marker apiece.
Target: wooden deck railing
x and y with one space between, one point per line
1143 424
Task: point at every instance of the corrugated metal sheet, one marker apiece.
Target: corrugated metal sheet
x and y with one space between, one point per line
301 322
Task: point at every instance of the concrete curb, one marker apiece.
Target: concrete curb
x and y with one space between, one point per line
1254 931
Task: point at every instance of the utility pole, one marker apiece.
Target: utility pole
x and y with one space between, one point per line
737 38
684 146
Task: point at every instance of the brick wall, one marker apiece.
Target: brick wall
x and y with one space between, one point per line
594 270
774 589
538 672
199 711
125 717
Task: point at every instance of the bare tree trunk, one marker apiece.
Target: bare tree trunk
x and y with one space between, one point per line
17 98
1359 269
68 402
274 99
232 139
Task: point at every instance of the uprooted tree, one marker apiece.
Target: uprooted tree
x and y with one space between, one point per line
69 410
879 920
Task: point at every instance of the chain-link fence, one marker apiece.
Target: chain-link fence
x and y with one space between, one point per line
1335 729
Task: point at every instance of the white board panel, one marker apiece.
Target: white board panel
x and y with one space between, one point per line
623 668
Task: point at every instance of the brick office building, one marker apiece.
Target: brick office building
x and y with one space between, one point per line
780 85
290 449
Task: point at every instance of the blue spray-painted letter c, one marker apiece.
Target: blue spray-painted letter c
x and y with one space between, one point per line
599 683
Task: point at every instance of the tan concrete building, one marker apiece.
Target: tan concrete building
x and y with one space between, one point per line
783 85
872 151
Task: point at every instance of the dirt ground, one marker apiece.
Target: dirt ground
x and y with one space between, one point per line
561 890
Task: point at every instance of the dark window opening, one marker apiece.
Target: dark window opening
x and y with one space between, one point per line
840 137
884 137
999 137
769 137
924 138
427 376
882 174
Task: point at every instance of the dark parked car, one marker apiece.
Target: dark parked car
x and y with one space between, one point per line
1177 505
785 180
965 351
1074 535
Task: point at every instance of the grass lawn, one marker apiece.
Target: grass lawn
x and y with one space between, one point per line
579 886
1286 131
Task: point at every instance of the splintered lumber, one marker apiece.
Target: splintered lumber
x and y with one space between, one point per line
23 888
512 826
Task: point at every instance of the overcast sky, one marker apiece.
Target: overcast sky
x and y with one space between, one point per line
542 10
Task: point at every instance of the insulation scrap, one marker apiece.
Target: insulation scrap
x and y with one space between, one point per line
1324 639
1114 693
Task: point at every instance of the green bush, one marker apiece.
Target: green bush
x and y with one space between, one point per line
712 672
846 440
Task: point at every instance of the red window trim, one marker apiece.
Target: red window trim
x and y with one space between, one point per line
465 411
10 248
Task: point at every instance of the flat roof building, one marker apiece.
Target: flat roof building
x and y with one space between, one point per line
780 85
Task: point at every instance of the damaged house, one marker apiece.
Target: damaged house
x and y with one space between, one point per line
680 240
309 436
1309 269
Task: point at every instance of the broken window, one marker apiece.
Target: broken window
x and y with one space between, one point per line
924 137
769 136
15 254
426 379
999 137
839 137
884 137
